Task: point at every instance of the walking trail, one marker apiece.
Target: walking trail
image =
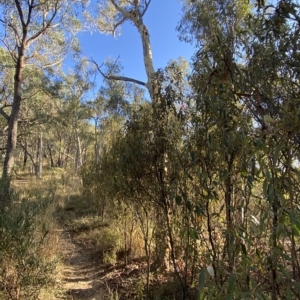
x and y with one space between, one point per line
81 276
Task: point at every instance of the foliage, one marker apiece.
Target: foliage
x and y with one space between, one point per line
25 265
216 156
207 174
244 158
108 243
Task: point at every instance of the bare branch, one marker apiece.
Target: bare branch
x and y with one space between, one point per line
4 114
120 78
147 3
30 8
117 25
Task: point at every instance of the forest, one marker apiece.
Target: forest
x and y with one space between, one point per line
183 186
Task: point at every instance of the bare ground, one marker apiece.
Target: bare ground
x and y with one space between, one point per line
81 276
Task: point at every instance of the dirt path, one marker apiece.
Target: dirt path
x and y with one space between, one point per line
81 275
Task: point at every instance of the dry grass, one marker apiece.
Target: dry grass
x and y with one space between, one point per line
57 187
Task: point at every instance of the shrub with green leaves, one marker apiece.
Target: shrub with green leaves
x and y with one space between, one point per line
25 263
108 243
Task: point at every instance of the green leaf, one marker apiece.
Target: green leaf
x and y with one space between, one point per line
202 279
231 282
296 228
258 143
276 153
194 235
281 197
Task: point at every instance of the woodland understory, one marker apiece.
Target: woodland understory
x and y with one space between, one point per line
185 186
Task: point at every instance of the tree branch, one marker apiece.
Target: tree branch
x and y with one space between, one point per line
13 29
28 153
4 114
120 9
30 7
47 26
117 25
19 8
147 3
120 78
53 64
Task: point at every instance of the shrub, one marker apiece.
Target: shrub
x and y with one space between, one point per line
108 243
25 263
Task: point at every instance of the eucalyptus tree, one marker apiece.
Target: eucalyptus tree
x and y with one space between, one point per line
111 15
36 107
274 49
114 92
214 27
35 113
245 83
6 87
34 33
115 99
74 92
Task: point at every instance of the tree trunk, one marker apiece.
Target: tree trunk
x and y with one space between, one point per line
136 16
229 221
13 123
148 60
40 156
25 156
78 163
50 155
96 142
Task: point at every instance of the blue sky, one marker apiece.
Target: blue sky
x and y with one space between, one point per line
161 20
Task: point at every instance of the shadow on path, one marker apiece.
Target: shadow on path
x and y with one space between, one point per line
81 274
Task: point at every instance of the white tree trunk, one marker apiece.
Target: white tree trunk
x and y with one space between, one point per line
78 150
136 16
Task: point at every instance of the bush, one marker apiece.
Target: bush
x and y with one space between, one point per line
25 263
108 243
